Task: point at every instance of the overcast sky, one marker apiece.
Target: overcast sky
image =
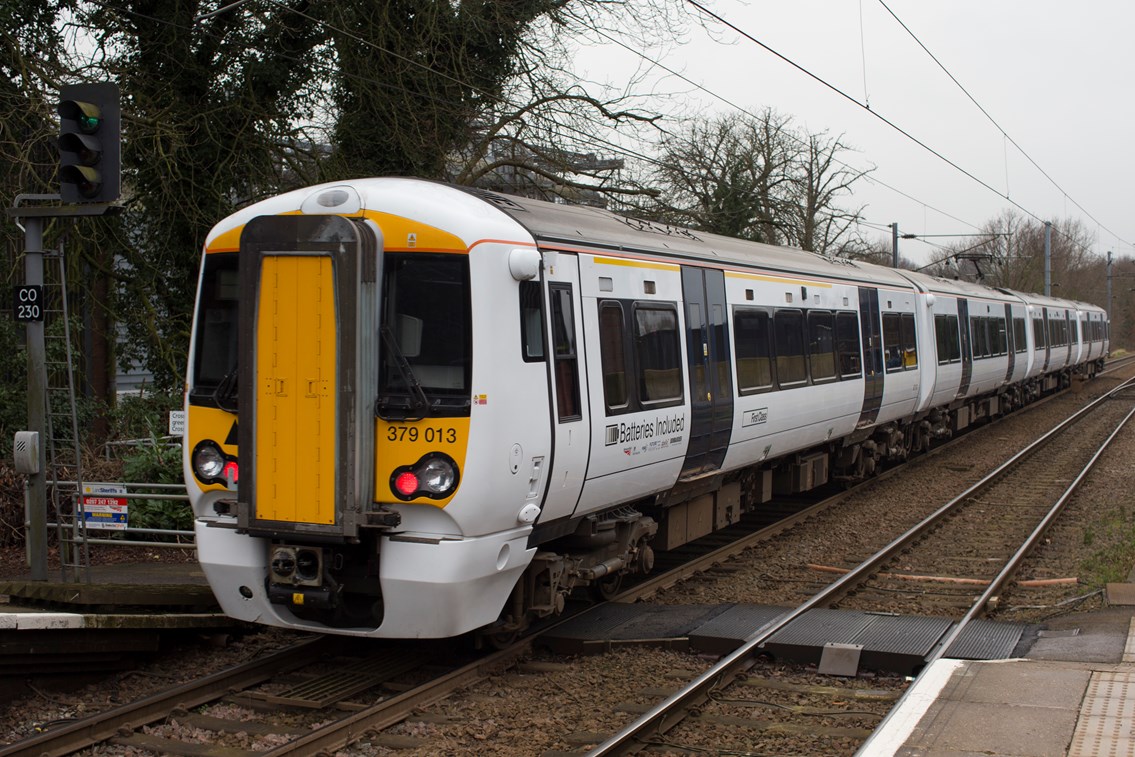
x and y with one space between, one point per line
1057 77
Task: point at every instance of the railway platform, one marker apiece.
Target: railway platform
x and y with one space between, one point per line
1072 694
103 623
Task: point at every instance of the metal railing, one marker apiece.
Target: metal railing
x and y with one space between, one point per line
165 492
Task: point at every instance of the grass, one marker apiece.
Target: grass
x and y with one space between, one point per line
1112 560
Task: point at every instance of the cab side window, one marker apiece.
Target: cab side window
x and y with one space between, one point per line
564 352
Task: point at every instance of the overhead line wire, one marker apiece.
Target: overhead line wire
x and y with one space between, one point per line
874 113
846 96
991 119
730 103
631 153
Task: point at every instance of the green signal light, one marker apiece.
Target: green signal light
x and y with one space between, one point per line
86 116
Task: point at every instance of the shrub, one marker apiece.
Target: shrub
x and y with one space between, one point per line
157 462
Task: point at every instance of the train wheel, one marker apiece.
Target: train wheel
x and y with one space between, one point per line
608 587
502 639
909 442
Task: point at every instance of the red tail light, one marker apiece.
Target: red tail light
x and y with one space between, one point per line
406 483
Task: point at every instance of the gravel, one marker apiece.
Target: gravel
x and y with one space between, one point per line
552 703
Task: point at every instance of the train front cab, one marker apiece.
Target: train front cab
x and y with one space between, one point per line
348 460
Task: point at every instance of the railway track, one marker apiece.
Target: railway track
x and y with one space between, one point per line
843 710
318 678
1005 487
719 548
993 518
1117 363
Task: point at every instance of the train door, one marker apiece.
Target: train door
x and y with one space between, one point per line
1047 340
967 353
571 429
308 377
1011 342
711 375
869 325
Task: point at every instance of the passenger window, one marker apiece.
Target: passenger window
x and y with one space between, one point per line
892 342
657 348
612 355
998 335
979 338
909 341
531 322
564 352
751 342
788 336
847 345
821 345
1038 334
1019 334
946 336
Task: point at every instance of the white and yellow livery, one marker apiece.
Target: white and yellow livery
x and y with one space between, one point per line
417 410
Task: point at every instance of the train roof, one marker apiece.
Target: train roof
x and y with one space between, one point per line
596 229
959 288
579 227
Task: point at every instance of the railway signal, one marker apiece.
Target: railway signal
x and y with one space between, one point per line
89 142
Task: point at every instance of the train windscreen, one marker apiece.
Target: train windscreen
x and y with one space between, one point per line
426 361
215 359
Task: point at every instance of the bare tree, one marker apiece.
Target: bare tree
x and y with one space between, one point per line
727 175
756 177
554 146
1008 252
819 180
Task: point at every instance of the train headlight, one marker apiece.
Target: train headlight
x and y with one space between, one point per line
209 462
438 476
434 476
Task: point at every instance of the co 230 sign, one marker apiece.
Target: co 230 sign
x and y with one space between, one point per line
29 304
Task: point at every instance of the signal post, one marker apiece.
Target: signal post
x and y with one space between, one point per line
89 182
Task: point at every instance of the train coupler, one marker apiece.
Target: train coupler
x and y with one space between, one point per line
319 597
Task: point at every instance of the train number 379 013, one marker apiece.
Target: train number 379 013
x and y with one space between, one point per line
428 434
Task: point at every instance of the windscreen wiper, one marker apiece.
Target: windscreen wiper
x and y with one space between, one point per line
227 393
420 401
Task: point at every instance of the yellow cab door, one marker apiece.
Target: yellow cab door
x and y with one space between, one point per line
308 346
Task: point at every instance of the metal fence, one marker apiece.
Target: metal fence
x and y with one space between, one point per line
135 491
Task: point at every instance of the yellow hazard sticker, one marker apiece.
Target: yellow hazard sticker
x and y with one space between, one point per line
297 598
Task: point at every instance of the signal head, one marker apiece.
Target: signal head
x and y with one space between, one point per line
89 142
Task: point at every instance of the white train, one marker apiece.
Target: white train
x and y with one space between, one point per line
416 410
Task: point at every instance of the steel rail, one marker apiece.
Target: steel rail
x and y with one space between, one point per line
663 715
342 733
999 581
1116 363
69 738
996 584
650 586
